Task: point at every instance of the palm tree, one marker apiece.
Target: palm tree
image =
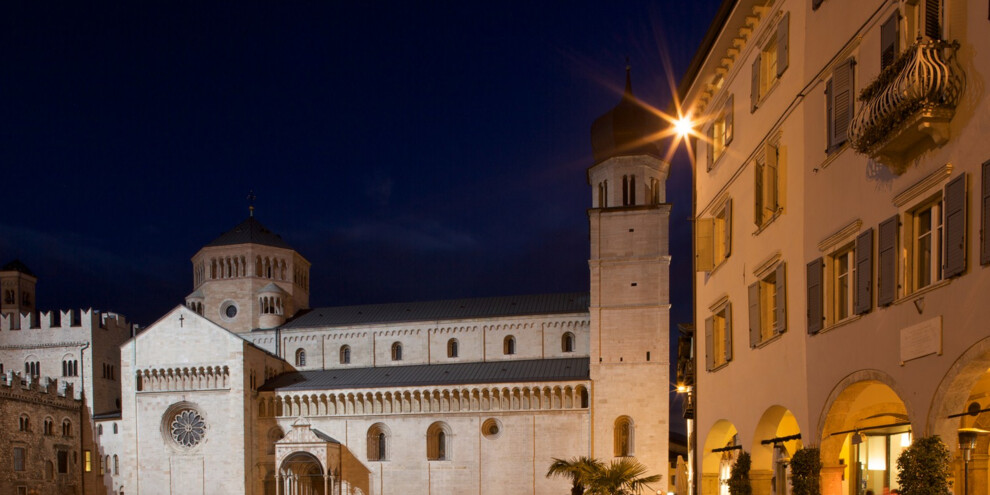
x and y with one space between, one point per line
577 469
624 476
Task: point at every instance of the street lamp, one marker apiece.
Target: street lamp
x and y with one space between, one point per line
967 442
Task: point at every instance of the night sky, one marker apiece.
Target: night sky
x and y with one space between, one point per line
409 150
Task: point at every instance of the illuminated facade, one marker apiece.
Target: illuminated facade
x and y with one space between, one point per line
842 195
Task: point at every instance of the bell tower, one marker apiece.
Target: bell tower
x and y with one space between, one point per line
630 303
17 285
249 278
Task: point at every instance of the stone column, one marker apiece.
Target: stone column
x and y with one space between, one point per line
759 479
978 473
278 484
832 479
326 484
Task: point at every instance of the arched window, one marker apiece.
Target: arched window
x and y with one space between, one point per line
378 438
300 357
274 435
24 423
438 442
632 189
452 348
625 190
396 351
509 345
585 399
115 428
623 433
567 342
99 430
116 465
66 428
49 426
345 354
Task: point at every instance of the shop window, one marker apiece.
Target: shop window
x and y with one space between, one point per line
718 337
767 306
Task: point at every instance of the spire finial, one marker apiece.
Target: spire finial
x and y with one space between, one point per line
251 197
628 78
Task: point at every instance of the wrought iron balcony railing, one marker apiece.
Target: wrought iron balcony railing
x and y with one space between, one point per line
910 103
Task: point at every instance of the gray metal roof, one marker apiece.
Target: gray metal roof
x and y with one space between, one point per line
454 309
533 370
250 231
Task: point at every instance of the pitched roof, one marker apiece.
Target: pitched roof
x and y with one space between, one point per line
517 371
250 231
453 309
17 266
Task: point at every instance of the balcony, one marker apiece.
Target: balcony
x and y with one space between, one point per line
908 107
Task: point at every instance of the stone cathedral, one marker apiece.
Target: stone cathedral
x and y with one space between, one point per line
248 389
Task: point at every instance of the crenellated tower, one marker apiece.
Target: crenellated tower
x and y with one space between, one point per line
630 303
249 278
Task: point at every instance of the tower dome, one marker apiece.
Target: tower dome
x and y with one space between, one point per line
629 128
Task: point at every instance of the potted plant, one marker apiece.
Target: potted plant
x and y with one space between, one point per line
923 468
739 477
806 469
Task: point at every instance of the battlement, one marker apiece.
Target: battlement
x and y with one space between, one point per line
87 319
25 387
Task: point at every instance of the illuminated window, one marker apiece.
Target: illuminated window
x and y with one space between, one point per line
767 309
718 336
770 63
767 185
87 461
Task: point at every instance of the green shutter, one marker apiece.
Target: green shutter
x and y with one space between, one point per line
754 314
781 298
887 262
783 43
864 273
955 226
816 316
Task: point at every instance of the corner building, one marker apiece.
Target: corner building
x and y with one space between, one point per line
246 389
842 194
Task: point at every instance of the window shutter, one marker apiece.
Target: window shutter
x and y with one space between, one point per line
985 216
754 314
704 255
728 227
933 28
829 118
782 43
815 315
815 4
729 129
710 133
754 92
955 226
728 332
709 335
781 298
864 273
842 101
771 184
887 262
889 41
758 194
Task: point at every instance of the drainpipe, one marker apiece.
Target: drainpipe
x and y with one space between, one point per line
82 414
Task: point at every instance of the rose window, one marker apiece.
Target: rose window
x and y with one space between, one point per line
188 428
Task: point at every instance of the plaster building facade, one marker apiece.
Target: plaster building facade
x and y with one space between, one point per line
40 426
842 186
246 389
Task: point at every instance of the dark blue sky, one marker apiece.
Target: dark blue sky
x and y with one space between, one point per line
410 150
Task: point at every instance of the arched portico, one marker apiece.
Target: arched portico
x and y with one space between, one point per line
719 452
866 427
776 439
307 461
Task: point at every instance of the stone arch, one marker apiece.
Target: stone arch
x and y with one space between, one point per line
967 373
839 411
302 472
623 436
378 442
722 434
438 442
770 454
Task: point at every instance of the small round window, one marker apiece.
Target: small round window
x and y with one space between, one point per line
491 428
228 310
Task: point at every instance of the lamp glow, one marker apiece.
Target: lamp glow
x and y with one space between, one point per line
683 126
